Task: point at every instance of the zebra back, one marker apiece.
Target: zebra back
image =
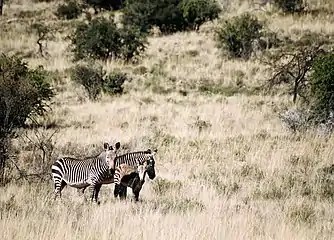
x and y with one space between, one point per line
133 158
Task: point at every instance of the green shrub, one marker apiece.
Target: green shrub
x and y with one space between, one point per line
113 83
196 12
90 76
165 14
133 43
102 39
237 35
70 10
321 94
105 4
94 79
290 6
24 94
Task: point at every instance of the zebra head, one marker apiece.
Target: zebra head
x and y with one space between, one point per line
150 163
111 154
141 170
147 166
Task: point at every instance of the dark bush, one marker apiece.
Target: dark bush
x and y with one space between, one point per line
238 34
321 95
133 43
165 14
102 39
290 6
70 10
90 76
108 5
196 12
24 93
94 79
113 83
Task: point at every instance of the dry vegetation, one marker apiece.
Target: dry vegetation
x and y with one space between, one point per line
226 167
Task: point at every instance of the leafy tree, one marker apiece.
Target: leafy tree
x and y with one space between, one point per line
197 12
95 80
291 64
102 39
237 35
90 76
24 94
165 14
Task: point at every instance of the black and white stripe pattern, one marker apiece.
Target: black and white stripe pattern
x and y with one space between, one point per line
145 163
81 173
130 171
130 176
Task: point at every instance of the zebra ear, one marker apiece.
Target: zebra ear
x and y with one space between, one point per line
106 146
149 151
155 151
117 145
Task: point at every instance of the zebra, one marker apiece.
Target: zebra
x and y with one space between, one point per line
146 159
81 173
130 171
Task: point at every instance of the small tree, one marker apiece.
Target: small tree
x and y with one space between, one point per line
144 14
95 80
133 43
44 35
237 34
24 93
102 39
291 64
90 76
197 12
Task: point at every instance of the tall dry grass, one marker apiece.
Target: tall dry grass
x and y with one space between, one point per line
226 167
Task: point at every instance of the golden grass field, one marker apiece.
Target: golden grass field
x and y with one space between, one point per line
226 166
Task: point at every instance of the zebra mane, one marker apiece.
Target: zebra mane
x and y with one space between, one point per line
135 153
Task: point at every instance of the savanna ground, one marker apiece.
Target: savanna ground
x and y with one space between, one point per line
226 166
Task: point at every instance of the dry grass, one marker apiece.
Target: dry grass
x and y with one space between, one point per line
227 169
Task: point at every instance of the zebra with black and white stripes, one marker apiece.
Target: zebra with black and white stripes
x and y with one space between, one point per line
143 159
130 171
81 173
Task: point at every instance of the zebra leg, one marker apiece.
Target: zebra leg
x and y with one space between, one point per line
116 190
136 196
122 191
136 190
58 188
97 190
92 191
